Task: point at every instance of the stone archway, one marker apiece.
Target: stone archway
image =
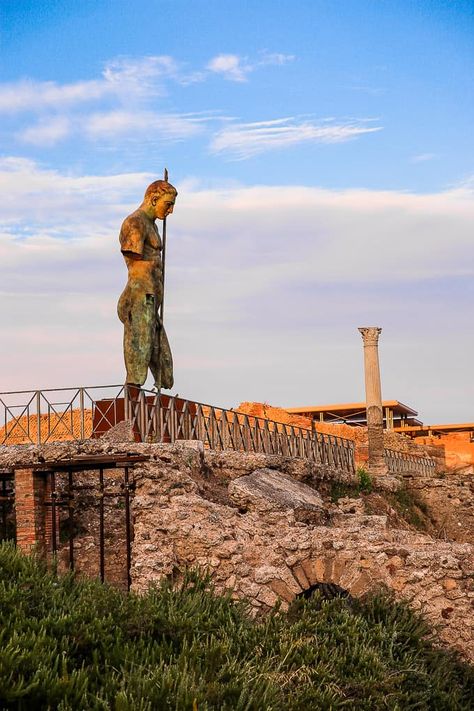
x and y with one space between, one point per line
328 591
347 571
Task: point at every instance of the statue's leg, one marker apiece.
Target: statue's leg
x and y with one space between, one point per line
162 352
138 321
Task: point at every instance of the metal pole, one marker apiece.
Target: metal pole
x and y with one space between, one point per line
128 533
81 406
70 509
161 307
163 259
53 513
4 510
101 525
38 417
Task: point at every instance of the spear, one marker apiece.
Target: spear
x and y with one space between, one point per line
161 308
163 257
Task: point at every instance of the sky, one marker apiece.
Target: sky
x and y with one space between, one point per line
323 156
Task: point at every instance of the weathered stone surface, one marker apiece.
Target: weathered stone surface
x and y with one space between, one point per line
230 465
267 489
450 503
265 554
120 433
358 520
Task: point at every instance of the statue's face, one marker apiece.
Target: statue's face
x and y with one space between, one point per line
163 205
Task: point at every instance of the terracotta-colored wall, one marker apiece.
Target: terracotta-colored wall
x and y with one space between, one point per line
457 449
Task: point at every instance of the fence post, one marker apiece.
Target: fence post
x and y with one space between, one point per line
38 416
81 405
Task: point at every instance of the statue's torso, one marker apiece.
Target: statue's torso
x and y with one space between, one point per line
139 236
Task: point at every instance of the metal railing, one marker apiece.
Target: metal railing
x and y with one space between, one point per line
41 416
51 415
405 463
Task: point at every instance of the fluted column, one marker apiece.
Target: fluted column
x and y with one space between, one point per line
373 396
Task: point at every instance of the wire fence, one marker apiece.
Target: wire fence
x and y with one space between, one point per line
52 415
42 416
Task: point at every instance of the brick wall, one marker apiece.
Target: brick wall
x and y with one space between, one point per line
30 510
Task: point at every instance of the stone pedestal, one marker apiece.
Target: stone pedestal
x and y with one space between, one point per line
373 396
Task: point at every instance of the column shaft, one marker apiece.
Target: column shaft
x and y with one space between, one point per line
373 396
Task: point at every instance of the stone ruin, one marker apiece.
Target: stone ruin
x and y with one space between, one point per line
266 528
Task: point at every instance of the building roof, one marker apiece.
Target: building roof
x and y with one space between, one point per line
459 427
352 408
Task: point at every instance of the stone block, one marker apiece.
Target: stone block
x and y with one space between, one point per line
300 576
282 590
267 597
449 584
267 490
361 585
314 569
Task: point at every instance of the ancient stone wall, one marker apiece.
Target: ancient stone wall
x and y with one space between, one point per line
450 504
265 548
264 529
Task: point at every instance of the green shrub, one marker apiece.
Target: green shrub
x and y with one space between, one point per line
365 480
364 485
77 645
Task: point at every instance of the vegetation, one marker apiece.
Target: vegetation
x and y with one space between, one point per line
410 507
364 485
69 644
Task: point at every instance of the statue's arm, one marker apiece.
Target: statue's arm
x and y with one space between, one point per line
132 238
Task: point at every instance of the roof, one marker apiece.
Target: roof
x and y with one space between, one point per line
459 427
352 408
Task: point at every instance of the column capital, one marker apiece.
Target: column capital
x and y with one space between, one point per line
370 335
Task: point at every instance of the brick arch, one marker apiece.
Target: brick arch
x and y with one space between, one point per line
328 591
349 572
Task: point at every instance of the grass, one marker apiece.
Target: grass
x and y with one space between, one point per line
69 645
410 507
406 503
364 485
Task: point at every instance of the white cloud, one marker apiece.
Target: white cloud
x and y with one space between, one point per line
46 132
113 123
120 78
277 58
122 100
29 95
140 73
230 66
422 157
268 284
236 68
37 201
243 140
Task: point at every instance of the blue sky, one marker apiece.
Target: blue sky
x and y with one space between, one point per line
323 154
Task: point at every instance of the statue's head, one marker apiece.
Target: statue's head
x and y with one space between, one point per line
160 196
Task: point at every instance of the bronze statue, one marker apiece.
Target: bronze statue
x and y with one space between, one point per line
145 343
